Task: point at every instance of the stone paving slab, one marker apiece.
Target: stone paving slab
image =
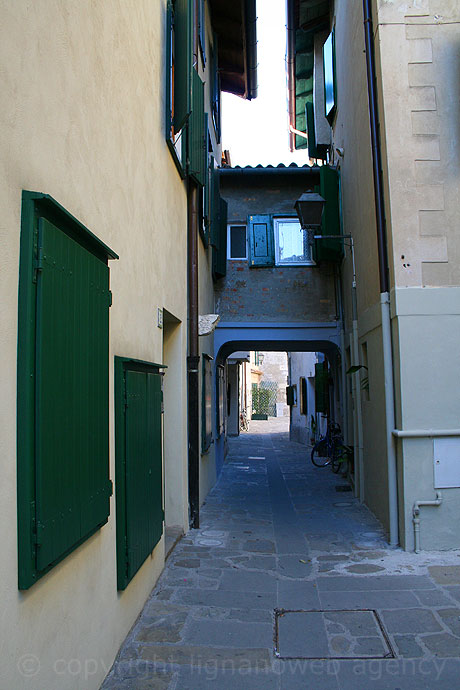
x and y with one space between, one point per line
275 534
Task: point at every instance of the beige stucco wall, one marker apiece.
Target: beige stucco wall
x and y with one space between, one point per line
417 53
82 120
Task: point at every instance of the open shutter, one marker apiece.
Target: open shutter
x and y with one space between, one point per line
182 58
214 207
329 250
321 387
219 264
138 465
72 463
303 396
261 245
196 133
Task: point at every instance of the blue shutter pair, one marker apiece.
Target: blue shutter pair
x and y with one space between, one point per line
261 243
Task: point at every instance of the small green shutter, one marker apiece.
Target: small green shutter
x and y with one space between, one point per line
329 250
321 388
196 132
183 42
138 465
261 245
214 204
290 395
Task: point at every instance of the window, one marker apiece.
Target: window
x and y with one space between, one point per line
330 98
220 409
291 243
237 243
63 386
206 411
179 37
138 460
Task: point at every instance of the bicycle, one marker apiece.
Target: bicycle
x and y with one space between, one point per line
244 424
330 449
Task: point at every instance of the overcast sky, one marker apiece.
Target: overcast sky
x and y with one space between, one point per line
257 131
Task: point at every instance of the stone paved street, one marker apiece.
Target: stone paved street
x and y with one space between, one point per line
278 539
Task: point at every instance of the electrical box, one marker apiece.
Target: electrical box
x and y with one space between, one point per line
446 459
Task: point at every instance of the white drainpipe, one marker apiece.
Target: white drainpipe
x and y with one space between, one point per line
416 517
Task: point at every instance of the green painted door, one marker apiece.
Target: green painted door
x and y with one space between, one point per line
139 468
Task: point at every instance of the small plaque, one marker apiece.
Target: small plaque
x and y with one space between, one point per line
160 318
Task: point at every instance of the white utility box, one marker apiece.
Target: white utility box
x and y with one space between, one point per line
446 458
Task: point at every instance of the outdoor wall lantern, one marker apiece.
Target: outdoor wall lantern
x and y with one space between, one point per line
309 208
261 359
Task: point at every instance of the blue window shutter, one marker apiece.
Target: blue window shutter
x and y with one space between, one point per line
261 245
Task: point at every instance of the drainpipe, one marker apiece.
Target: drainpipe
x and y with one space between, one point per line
193 359
416 517
388 366
290 66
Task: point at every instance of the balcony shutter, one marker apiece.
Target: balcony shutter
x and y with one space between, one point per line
261 245
183 46
196 133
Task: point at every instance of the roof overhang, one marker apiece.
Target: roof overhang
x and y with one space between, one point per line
304 19
234 22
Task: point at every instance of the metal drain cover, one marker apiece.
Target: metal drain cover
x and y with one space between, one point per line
330 635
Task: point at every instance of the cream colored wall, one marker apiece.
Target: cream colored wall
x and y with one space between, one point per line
82 120
418 46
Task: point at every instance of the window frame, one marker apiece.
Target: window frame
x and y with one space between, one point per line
37 205
236 258
287 219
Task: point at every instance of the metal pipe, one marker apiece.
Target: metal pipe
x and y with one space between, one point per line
359 443
193 359
424 433
388 364
290 66
416 517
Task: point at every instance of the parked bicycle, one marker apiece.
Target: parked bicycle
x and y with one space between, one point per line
244 424
330 449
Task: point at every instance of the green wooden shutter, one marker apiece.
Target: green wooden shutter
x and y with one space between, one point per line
290 395
183 47
219 265
303 396
72 466
169 71
196 133
321 387
329 250
261 245
138 465
214 204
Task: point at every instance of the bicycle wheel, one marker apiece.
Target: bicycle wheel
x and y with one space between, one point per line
320 454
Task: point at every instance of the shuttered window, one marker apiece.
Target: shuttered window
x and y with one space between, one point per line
329 188
179 46
197 137
303 395
63 404
138 457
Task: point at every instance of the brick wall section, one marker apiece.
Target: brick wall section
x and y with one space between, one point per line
281 293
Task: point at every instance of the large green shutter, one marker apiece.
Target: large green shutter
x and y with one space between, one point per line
261 245
321 387
72 394
183 42
196 132
214 204
139 475
63 399
329 250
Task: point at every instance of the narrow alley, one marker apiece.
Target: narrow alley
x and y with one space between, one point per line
290 583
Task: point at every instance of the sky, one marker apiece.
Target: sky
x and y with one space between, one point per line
257 131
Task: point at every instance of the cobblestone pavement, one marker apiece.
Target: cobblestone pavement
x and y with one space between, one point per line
277 539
